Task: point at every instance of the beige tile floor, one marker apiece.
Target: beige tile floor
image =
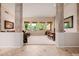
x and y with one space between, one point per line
39 50
42 39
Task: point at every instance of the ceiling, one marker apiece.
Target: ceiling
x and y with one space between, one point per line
39 9
35 9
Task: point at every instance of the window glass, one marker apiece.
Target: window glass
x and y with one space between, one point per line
37 26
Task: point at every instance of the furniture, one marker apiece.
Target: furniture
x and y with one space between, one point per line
50 34
53 36
25 37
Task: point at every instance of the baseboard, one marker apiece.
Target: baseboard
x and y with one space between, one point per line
11 46
67 46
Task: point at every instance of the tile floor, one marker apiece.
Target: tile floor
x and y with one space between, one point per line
39 50
40 40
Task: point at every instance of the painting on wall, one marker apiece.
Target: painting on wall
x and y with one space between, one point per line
68 22
8 25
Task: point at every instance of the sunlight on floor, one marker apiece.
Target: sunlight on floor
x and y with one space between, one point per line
40 40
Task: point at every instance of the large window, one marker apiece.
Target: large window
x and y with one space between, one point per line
37 26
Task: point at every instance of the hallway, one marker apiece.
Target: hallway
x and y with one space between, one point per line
42 39
39 50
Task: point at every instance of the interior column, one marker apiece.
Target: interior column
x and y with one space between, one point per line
0 16
59 20
18 17
59 23
77 17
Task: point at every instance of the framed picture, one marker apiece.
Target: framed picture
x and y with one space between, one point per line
68 22
8 25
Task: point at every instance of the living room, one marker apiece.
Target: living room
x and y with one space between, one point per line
38 21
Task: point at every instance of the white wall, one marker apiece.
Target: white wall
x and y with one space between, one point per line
71 10
12 39
67 39
38 32
10 8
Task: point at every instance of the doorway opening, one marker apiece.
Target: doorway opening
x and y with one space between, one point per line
39 23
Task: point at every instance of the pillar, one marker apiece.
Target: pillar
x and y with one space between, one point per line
59 20
0 16
77 17
18 17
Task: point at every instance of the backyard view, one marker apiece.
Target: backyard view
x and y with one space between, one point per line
37 26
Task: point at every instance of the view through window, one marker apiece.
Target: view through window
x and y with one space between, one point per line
37 26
